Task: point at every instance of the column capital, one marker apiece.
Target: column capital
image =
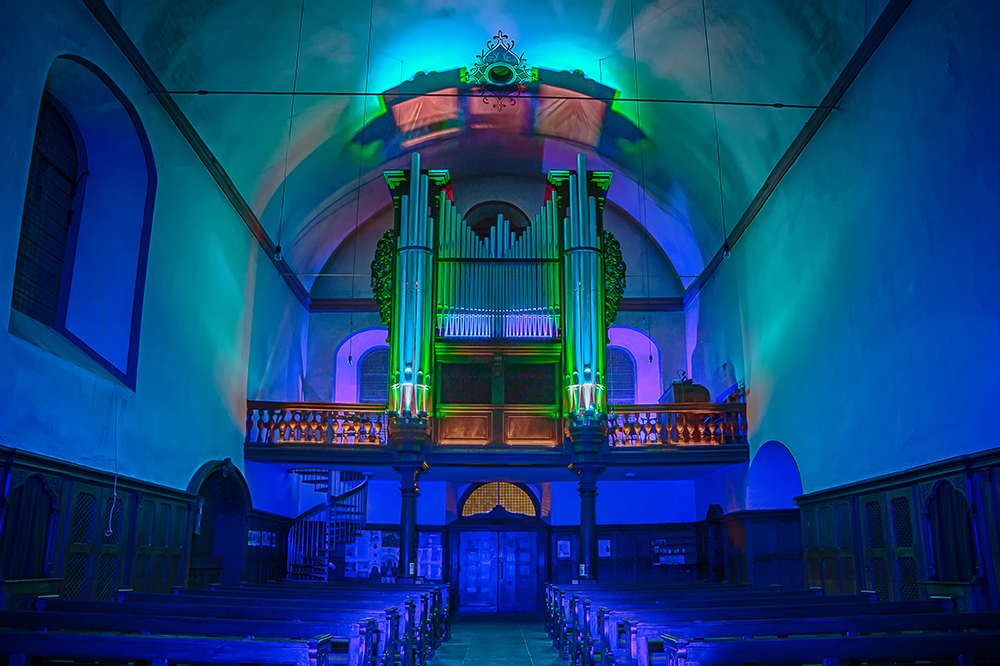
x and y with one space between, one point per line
587 436
588 476
409 473
407 435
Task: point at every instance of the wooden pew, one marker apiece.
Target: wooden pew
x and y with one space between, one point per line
442 592
434 632
960 647
642 638
582 625
359 632
418 634
612 632
565 600
160 650
432 627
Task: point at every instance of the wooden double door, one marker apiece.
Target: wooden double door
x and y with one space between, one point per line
498 571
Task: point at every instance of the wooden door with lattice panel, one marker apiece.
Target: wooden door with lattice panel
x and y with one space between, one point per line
890 544
96 542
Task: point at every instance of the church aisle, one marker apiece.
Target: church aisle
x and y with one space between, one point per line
493 641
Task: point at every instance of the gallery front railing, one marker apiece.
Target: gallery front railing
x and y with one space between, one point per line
322 424
677 425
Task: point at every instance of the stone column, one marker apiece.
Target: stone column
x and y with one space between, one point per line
587 436
408 518
408 436
588 522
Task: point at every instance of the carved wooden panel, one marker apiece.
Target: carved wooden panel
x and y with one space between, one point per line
527 430
470 428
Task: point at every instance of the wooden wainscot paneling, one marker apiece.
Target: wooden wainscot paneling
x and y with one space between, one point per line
630 553
764 548
930 531
88 530
266 554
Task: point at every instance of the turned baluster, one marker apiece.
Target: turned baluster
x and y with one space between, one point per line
337 436
350 429
274 428
647 428
263 434
322 425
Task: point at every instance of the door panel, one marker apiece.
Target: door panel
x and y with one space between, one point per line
519 573
478 571
498 571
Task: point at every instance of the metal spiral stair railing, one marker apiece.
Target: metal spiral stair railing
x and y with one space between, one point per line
339 520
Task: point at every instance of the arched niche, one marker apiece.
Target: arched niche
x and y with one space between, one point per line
648 377
348 355
773 479
220 530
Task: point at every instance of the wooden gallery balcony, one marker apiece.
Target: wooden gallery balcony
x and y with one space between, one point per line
672 434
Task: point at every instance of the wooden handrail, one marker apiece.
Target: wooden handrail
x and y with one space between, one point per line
316 423
677 424
343 406
681 407
358 425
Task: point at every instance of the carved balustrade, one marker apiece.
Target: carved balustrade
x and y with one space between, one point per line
322 424
693 424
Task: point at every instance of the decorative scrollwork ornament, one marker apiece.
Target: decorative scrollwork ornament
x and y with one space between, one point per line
614 276
382 275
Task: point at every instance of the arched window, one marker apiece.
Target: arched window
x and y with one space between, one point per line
644 355
513 498
483 216
621 376
373 376
51 204
81 260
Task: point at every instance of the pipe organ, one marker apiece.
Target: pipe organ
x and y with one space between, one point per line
438 280
583 286
503 286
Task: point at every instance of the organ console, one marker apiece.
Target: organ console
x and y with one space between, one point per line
439 282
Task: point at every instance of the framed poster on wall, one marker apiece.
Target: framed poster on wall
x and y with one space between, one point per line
563 549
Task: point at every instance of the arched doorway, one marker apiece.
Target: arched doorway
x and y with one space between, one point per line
496 548
219 543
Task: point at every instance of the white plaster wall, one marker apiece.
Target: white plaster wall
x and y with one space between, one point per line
272 488
867 297
188 406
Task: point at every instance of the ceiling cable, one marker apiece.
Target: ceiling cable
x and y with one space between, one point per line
361 159
642 182
460 94
288 139
718 148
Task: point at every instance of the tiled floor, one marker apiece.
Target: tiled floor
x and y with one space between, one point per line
495 641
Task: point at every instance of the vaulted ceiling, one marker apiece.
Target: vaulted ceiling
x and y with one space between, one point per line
300 158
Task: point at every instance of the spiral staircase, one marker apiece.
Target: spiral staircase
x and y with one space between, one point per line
338 520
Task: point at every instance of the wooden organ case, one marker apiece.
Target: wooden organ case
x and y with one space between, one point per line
498 333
